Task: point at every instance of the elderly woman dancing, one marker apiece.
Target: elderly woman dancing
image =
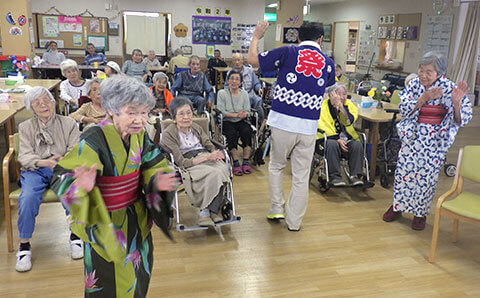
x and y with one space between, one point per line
44 139
114 184
203 170
432 109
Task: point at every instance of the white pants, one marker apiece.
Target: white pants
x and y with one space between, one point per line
300 148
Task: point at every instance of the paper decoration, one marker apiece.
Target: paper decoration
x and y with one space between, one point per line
208 11
210 48
30 29
198 10
393 33
77 40
113 29
227 12
10 18
180 30
217 11
15 30
100 42
290 35
22 20
293 20
44 42
70 24
241 37
94 26
211 30
399 32
50 26
382 32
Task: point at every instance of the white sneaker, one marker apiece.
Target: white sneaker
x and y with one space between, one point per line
24 261
76 249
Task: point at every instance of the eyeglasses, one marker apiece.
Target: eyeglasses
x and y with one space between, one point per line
39 102
234 79
184 114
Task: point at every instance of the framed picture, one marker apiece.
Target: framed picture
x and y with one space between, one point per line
327 32
210 50
290 35
211 30
187 50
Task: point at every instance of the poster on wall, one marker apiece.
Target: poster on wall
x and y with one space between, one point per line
100 42
210 50
70 24
211 30
94 26
290 35
50 26
77 40
241 37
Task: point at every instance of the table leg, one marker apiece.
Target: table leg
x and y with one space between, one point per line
373 139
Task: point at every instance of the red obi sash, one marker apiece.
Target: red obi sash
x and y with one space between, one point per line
119 191
431 114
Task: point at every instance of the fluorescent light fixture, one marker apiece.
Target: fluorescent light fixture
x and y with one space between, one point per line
142 14
272 5
270 17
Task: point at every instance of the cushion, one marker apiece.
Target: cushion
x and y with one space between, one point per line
466 204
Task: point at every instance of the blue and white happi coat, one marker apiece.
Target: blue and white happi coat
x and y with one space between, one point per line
424 147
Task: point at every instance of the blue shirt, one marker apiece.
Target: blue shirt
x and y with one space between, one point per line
178 85
98 57
303 74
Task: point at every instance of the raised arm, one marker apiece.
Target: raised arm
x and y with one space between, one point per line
258 34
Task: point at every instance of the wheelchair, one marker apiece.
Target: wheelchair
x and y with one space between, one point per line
319 164
228 208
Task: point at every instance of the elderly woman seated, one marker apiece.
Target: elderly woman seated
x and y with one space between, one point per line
234 104
73 87
90 112
162 95
44 139
203 170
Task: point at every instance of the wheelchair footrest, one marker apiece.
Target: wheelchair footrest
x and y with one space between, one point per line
235 219
183 228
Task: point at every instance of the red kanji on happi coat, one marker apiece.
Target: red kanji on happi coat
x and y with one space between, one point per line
310 63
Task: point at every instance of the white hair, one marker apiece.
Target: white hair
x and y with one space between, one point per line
35 93
66 64
158 76
409 78
119 91
335 87
88 84
436 59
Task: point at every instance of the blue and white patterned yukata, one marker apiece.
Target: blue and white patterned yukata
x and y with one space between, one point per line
424 147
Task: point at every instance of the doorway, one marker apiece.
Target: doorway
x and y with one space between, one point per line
345 41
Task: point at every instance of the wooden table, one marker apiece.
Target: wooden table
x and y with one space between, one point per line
219 82
375 116
8 110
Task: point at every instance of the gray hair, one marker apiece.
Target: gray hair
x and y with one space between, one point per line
35 93
178 52
237 55
409 78
177 103
436 59
119 91
335 87
193 57
158 76
88 84
66 64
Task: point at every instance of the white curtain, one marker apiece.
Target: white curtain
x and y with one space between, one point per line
145 33
465 65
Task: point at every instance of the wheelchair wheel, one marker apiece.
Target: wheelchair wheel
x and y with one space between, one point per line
227 211
384 181
315 163
450 169
323 186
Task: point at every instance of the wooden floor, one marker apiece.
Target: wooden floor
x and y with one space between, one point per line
343 249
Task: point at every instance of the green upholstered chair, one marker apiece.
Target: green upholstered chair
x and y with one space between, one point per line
395 98
11 192
463 205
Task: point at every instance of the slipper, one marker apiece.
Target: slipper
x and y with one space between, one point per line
237 171
246 169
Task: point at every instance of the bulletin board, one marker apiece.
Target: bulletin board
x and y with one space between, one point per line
71 32
399 26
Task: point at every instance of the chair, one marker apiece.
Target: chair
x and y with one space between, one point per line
464 205
10 165
228 211
395 97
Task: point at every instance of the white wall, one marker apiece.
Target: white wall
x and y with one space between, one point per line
244 11
369 10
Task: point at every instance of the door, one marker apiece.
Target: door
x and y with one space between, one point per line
340 43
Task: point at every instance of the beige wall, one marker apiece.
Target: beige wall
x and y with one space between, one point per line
15 44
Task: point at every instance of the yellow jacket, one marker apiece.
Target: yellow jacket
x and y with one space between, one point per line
327 123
